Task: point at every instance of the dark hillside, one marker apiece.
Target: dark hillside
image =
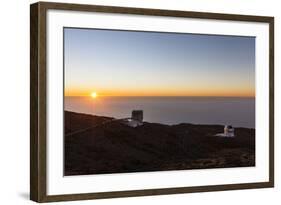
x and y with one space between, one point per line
101 145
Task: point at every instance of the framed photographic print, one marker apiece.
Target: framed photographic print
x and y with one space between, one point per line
134 102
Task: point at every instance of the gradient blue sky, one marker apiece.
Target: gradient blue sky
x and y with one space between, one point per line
128 63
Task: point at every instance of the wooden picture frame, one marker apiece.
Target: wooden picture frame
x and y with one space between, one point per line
38 102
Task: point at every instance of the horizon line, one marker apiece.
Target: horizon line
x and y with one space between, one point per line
161 96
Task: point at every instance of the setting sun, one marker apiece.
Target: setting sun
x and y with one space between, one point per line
94 95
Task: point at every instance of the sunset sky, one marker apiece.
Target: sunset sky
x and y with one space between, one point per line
127 63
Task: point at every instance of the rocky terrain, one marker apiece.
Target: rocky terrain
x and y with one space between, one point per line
99 145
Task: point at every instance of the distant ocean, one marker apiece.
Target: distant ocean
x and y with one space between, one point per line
239 112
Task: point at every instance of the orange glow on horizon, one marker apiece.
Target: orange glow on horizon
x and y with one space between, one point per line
191 93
